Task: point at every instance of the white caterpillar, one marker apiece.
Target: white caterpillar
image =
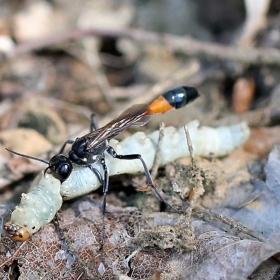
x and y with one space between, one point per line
39 206
205 140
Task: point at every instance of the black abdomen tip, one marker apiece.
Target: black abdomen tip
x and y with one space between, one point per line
191 94
181 96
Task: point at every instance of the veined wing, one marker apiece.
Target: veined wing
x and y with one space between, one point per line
137 115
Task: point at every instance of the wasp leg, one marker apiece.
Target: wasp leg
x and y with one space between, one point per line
105 182
93 123
93 126
97 174
105 186
64 145
113 153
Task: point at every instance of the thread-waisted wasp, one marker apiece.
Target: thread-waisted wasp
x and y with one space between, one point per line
92 147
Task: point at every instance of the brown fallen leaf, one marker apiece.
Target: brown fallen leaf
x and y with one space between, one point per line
262 140
22 165
24 140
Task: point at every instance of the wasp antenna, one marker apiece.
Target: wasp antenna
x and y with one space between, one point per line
26 156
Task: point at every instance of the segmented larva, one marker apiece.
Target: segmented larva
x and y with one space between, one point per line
38 207
205 140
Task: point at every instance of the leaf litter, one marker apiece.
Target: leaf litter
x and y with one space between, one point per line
147 244
139 244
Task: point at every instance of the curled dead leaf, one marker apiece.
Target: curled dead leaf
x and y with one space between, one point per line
25 140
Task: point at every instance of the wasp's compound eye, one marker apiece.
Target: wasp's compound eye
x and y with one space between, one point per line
64 171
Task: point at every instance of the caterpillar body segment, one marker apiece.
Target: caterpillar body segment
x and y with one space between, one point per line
80 182
36 209
206 141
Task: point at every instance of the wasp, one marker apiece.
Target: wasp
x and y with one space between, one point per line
92 147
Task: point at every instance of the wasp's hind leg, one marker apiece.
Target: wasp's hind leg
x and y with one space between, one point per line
113 153
93 123
93 126
64 145
105 186
105 181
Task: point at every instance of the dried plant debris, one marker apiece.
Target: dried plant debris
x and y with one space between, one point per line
27 140
184 179
233 189
179 236
177 177
262 140
261 214
134 246
45 121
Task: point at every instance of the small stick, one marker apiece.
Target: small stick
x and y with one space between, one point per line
174 43
222 220
198 190
12 257
189 142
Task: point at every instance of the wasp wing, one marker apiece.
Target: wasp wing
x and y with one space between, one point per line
137 115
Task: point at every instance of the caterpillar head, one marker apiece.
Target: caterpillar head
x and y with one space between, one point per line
16 233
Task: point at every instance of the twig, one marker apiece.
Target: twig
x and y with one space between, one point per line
189 142
178 44
158 151
198 190
222 220
61 104
257 118
93 60
13 256
177 77
256 21
194 171
80 276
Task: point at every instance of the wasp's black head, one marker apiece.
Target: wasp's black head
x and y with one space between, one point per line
60 167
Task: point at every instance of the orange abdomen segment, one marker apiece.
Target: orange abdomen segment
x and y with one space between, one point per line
173 99
159 106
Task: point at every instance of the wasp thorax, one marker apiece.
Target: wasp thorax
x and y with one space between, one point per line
16 233
79 147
